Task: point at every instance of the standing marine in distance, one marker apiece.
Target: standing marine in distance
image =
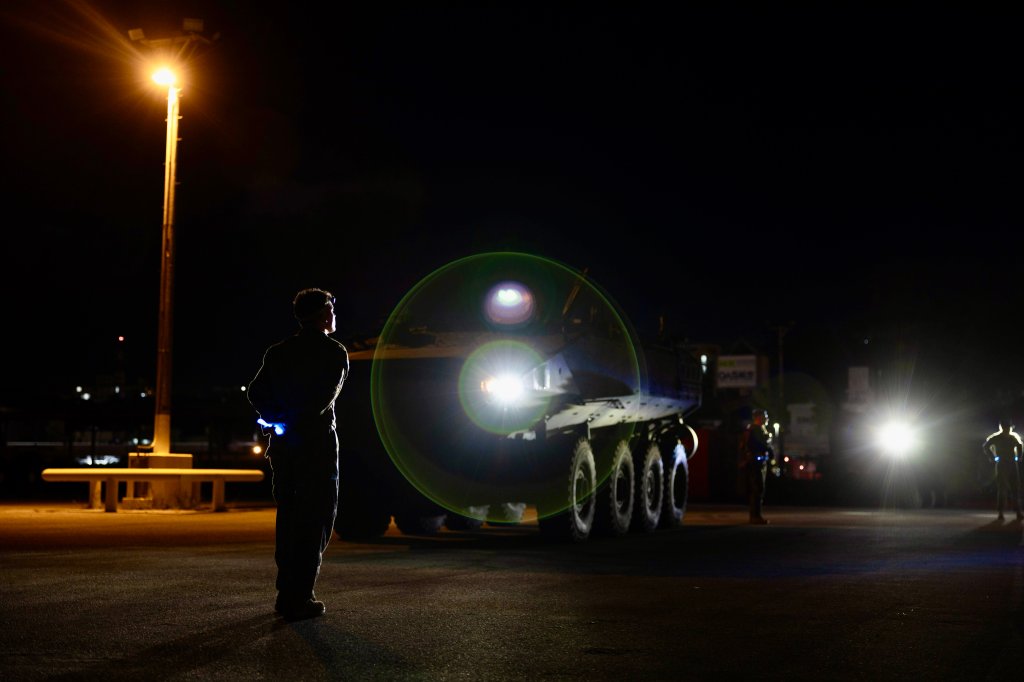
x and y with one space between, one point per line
755 451
1003 448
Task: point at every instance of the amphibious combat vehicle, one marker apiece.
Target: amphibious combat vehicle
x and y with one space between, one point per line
506 382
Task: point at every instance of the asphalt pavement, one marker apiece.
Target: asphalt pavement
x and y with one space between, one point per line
821 594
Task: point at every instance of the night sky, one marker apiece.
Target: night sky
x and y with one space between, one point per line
852 174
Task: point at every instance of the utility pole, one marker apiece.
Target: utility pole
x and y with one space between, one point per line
781 332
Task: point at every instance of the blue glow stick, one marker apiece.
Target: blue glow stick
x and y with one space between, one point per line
278 427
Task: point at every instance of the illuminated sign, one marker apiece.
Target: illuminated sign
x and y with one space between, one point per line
737 371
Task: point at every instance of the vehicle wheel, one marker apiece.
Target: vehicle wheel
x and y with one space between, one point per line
650 488
354 524
575 522
616 498
506 514
473 519
677 474
417 524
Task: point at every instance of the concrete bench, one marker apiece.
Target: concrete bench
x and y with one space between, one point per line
111 476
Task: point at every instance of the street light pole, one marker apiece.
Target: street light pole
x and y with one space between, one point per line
186 43
162 422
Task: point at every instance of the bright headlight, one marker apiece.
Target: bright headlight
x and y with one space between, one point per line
499 387
506 389
897 438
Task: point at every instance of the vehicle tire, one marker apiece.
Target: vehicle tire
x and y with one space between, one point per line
355 523
472 520
677 475
650 488
616 498
575 522
506 514
419 524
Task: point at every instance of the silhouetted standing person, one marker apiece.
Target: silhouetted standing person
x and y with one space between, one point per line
1004 448
756 450
294 393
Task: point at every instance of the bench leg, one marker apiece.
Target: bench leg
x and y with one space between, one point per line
95 494
218 494
111 503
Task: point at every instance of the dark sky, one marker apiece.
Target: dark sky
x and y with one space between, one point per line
852 172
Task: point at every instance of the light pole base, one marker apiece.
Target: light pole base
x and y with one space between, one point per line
160 494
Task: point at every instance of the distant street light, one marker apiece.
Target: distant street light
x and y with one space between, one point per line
166 77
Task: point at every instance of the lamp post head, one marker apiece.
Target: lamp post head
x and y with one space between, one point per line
165 77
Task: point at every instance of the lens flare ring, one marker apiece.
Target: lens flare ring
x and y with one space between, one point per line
458 335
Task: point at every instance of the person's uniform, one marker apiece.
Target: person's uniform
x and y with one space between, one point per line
295 388
1004 449
756 449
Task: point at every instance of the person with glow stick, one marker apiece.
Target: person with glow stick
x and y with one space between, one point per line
294 393
1003 448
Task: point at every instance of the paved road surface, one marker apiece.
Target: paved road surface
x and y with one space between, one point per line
821 594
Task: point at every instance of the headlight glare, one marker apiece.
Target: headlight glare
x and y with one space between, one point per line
506 389
897 439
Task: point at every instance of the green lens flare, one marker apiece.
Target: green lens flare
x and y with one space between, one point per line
478 361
